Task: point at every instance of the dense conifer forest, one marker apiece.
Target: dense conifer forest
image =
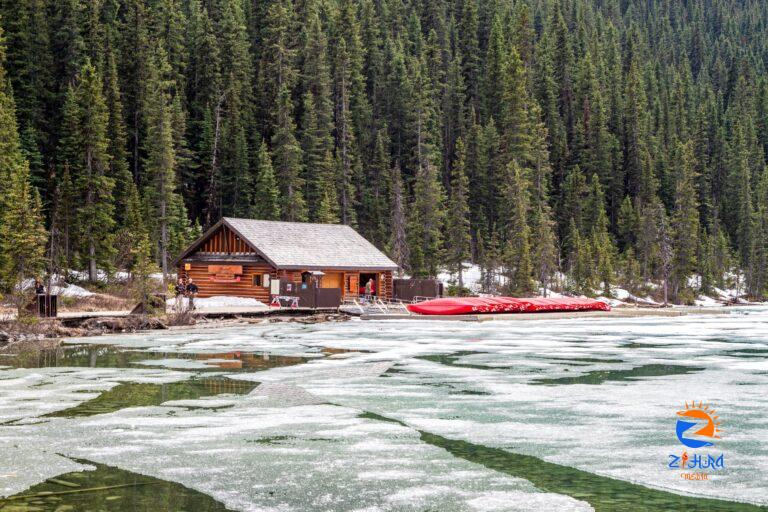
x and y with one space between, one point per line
610 141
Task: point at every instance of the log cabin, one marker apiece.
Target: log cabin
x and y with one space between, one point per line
244 258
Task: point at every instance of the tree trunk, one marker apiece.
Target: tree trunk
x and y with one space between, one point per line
164 238
92 262
209 218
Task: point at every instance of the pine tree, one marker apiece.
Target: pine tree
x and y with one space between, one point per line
205 96
233 113
30 69
470 50
89 166
685 219
398 242
10 149
132 230
757 272
287 158
117 135
544 253
517 250
376 199
425 225
580 261
277 69
345 133
574 195
514 117
266 194
328 207
494 70
141 273
602 247
160 185
22 234
457 236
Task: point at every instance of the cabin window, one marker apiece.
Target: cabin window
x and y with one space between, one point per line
261 280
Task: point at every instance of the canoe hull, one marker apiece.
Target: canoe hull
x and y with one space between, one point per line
483 305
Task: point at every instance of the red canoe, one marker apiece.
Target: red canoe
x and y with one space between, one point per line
474 305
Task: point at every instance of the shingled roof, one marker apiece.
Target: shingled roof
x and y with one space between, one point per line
305 246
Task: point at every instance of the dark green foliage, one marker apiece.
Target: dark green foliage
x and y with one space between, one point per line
639 130
457 217
266 196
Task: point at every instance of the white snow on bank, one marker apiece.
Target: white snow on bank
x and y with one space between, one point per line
473 274
219 302
472 277
71 290
60 288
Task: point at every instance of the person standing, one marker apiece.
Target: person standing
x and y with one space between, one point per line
368 290
39 287
180 289
192 290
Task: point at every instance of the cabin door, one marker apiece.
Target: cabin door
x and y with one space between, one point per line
353 285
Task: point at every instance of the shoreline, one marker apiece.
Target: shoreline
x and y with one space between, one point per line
49 333
52 332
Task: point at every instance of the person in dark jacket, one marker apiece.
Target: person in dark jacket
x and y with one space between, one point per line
39 287
192 290
180 289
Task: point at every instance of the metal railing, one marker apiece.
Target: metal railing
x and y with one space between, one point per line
375 306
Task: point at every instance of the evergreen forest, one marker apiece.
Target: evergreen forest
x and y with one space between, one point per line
570 143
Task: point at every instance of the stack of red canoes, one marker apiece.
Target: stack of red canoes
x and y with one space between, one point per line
474 305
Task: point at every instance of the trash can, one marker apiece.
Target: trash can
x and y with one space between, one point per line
47 306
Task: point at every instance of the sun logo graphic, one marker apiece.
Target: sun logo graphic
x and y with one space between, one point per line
697 425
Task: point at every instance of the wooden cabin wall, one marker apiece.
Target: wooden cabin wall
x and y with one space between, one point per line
243 288
384 284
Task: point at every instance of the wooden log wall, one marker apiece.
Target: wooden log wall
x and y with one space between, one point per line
243 288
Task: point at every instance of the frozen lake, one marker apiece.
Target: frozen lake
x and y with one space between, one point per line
398 415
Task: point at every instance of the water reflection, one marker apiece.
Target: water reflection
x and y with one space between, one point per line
109 489
108 356
639 372
132 394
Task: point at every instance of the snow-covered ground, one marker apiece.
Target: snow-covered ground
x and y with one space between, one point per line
472 277
599 395
218 302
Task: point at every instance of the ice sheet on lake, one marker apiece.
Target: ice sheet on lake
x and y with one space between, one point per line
252 457
28 393
22 467
285 446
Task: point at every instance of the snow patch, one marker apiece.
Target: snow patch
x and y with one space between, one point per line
220 301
